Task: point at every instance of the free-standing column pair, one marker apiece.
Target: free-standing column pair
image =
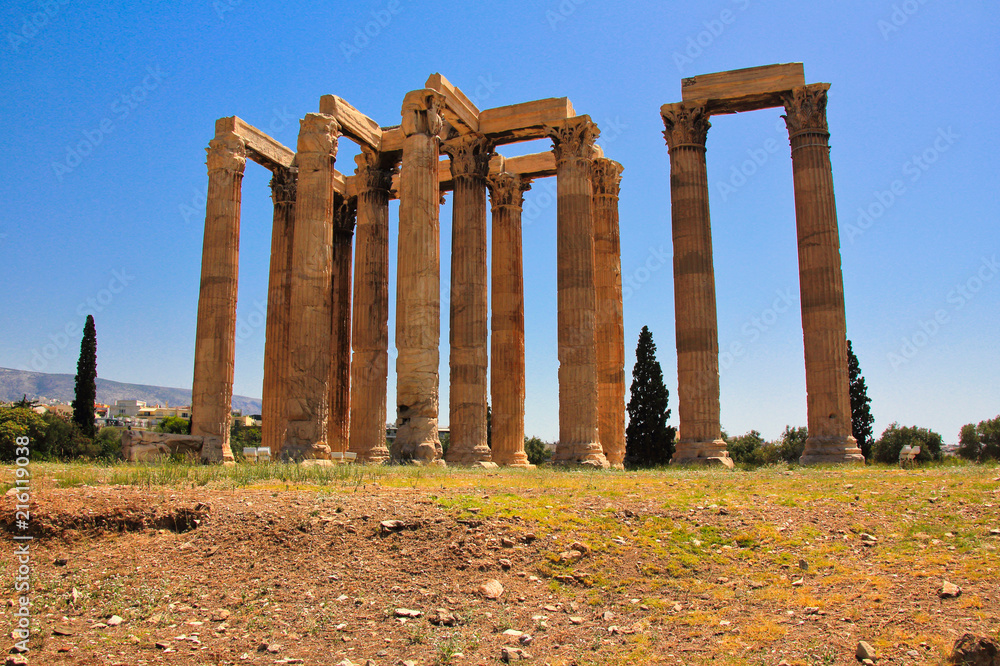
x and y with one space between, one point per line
820 283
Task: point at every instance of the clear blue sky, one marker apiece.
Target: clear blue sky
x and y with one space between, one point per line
107 109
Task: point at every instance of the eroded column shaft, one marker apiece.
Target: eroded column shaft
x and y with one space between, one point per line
610 331
370 325
694 289
507 320
276 333
468 331
338 425
418 282
821 283
308 406
215 339
579 440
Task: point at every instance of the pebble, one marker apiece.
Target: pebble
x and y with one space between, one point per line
575 619
509 654
491 589
114 621
949 590
408 612
864 651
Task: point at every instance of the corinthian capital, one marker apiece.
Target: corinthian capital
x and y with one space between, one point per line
317 145
607 177
470 155
283 186
371 174
422 112
685 123
227 152
507 189
805 108
345 211
574 139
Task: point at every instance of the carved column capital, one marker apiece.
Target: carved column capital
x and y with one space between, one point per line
805 109
470 155
422 112
283 182
507 189
345 210
227 152
318 135
574 139
607 177
371 174
686 124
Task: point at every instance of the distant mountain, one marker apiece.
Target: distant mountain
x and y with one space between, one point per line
44 387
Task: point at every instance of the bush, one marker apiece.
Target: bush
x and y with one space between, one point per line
980 442
64 440
108 443
174 425
19 422
895 437
537 452
746 449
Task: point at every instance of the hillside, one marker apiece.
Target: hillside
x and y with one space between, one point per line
44 386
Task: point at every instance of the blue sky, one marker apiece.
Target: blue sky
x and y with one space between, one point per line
108 107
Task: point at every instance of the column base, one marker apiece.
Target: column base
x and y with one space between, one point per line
589 458
376 456
710 454
830 450
473 457
516 460
416 441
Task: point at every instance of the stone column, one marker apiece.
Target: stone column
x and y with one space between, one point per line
507 338
579 441
276 332
694 289
468 331
610 325
338 425
215 340
308 406
821 283
370 325
418 282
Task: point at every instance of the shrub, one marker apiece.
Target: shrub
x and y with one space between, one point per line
537 452
895 437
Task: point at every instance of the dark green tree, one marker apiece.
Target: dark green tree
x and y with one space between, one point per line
980 442
861 413
86 380
895 437
649 440
175 425
536 451
489 427
747 449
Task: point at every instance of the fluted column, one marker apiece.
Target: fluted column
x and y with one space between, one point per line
468 330
215 339
308 406
821 283
507 320
370 325
276 333
579 440
610 326
418 282
338 425
694 289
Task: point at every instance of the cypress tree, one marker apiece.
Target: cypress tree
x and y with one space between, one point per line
861 413
86 380
648 439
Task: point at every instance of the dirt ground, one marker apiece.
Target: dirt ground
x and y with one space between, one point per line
614 568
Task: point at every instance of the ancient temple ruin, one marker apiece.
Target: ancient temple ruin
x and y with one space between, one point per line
321 401
821 284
